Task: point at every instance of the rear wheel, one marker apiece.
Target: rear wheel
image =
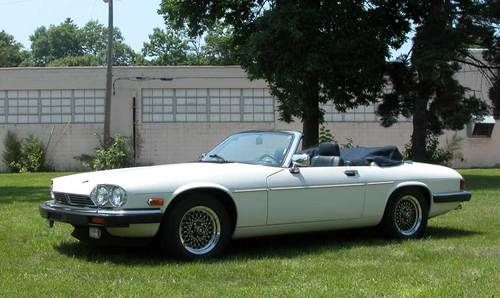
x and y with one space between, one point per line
406 214
197 227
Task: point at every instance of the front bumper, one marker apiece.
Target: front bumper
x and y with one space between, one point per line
80 217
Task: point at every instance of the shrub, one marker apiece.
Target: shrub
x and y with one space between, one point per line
32 155
12 152
27 155
439 155
325 135
116 155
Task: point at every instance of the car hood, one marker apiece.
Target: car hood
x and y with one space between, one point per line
167 178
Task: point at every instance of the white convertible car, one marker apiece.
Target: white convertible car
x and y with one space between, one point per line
254 183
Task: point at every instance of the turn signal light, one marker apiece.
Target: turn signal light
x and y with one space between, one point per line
155 201
462 184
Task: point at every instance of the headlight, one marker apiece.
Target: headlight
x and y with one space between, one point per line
104 194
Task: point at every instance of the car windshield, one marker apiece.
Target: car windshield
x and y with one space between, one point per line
265 148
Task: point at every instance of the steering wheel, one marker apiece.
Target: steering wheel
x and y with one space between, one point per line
268 156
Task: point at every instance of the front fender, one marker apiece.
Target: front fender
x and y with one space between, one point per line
197 185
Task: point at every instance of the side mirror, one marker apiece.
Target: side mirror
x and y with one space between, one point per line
299 160
202 156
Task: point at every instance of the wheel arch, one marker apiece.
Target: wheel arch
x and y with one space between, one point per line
420 186
218 191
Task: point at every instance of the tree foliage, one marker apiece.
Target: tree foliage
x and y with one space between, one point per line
176 47
67 44
309 52
11 51
423 82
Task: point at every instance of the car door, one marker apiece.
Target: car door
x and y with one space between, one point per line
315 194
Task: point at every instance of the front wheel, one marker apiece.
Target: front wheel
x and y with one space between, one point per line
197 227
406 215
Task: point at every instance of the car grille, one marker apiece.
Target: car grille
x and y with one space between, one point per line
73 199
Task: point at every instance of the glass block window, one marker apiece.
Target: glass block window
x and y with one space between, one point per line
3 107
51 106
191 105
207 105
359 114
56 106
258 105
22 106
89 105
225 105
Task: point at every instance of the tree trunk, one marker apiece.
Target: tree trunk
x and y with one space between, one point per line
310 128
310 116
419 134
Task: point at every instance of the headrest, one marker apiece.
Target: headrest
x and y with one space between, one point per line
329 149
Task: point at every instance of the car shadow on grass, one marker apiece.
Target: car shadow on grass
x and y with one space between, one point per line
285 246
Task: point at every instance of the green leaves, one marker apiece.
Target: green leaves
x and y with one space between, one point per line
309 52
23 156
176 47
10 50
68 45
117 155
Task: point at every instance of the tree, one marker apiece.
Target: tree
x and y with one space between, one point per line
218 46
175 47
56 42
309 52
94 43
68 45
10 50
166 47
423 83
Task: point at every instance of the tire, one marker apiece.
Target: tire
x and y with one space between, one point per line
406 215
197 227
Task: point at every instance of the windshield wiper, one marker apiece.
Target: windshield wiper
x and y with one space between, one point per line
220 158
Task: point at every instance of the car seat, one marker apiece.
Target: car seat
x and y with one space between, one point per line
328 156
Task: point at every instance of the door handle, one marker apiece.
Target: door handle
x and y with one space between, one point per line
350 173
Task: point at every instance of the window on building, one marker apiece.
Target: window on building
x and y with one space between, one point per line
359 114
56 106
51 106
89 106
22 106
3 107
207 105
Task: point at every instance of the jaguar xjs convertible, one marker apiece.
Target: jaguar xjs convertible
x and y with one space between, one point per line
254 183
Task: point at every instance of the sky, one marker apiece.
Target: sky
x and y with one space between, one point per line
135 18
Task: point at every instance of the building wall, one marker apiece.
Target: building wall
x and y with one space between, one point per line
177 119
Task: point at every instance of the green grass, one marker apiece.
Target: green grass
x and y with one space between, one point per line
460 256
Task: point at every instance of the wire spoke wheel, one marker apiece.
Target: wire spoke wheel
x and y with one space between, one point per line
199 230
408 215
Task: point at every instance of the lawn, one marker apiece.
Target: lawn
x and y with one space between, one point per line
459 256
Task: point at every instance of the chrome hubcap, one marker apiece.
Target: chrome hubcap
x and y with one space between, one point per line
408 215
199 230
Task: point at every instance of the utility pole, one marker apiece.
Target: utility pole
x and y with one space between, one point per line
109 76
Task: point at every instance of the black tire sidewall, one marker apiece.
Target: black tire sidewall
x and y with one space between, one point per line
170 240
388 222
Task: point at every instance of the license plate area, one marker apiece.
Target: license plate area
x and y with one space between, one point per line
95 232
